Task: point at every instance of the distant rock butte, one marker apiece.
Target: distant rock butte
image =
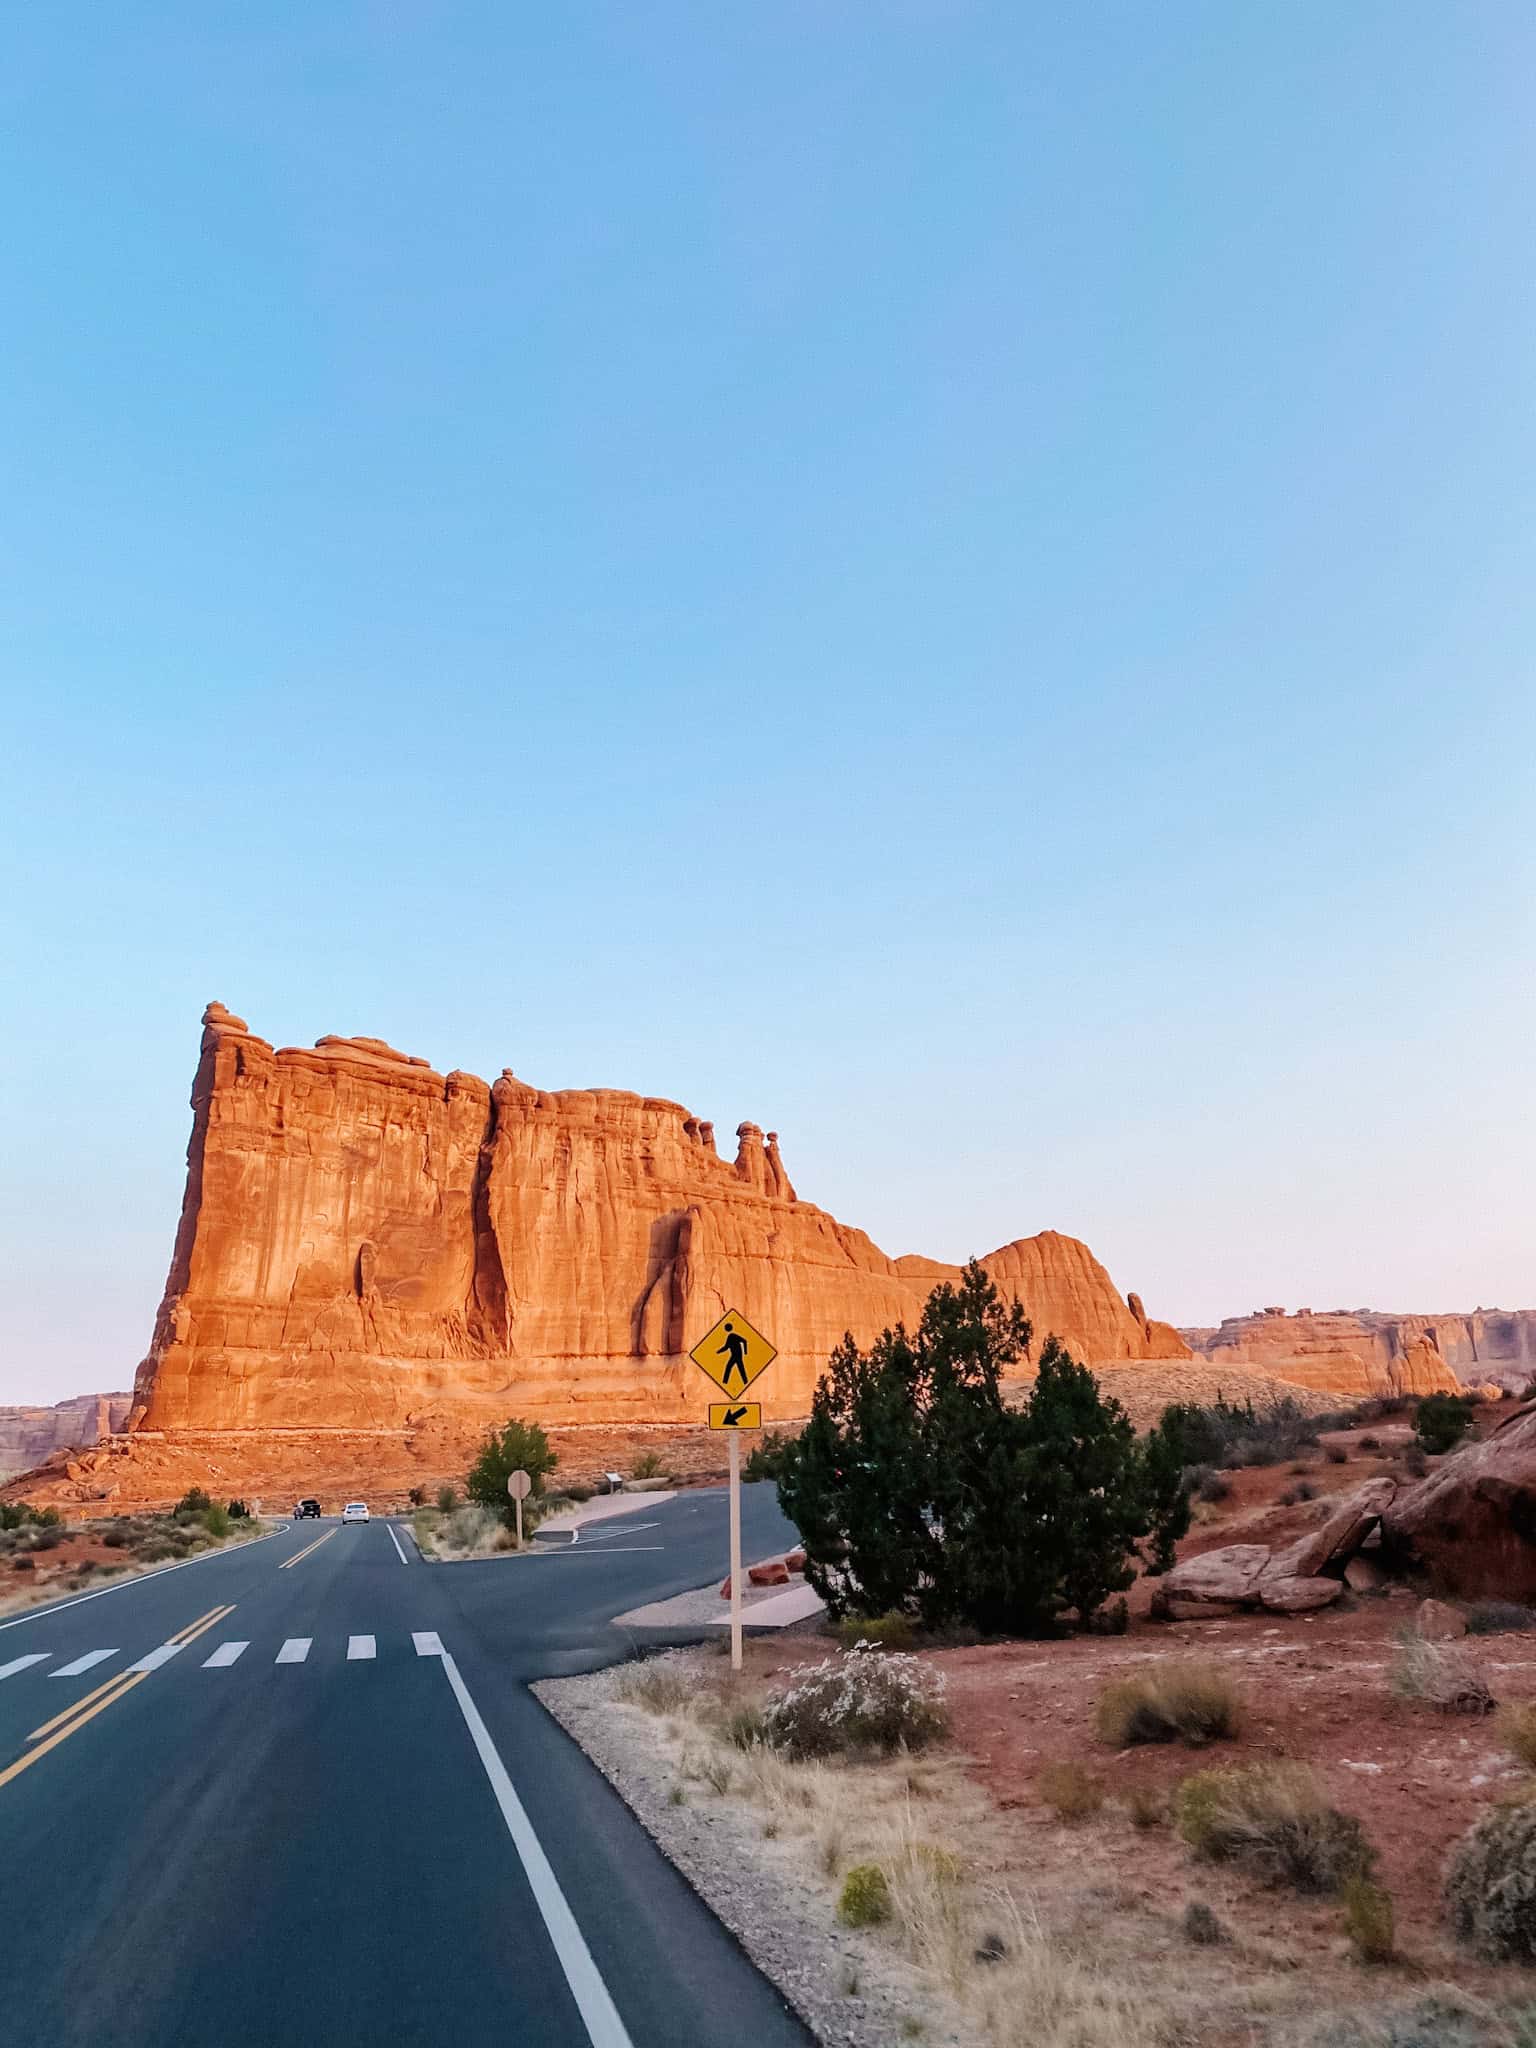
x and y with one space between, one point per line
28 1435
368 1245
1357 1353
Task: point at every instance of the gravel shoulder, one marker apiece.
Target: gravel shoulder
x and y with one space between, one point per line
850 1991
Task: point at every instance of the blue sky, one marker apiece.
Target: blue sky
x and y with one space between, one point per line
955 580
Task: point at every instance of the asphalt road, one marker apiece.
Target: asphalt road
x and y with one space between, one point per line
357 1826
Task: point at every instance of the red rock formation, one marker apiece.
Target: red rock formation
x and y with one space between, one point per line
1341 1352
368 1245
29 1435
1473 1520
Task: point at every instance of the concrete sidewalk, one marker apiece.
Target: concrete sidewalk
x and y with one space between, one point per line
761 1606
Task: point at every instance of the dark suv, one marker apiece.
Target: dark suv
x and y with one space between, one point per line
306 1510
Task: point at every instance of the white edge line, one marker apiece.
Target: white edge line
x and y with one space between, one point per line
599 2014
618 1549
396 1542
139 1579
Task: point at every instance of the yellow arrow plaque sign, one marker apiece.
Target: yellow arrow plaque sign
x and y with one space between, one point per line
733 1354
735 1414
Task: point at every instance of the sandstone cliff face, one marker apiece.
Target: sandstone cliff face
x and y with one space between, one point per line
368 1244
1341 1352
29 1435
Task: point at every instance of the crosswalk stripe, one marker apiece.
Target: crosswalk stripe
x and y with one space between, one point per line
85 1663
427 1643
294 1651
153 1659
361 1646
21 1663
224 1656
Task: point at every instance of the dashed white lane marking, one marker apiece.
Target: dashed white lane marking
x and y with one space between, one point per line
599 2013
361 1646
224 1656
153 1659
91 1657
427 1643
21 1663
294 1651
396 1542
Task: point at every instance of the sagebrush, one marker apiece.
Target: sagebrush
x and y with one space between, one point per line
874 1701
1277 1821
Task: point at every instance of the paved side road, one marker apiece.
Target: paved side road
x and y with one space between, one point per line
299 1791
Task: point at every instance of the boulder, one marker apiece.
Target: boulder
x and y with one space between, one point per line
1298 1596
1335 1541
1473 1520
1361 1576
1222 1577
775 1574
795 1561
1438 1623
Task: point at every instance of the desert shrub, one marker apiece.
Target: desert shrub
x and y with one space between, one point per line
193 1502
1070 1788
659 1687
646 1466
216 1521
859 1700
1336 1454
1440 1674
1369 1919
517 1446
1114 1618
45 1518
1442 1421
881 1631
417 1497
1294 1495
116 1539
47 1539
157 1549
1211 1485
865 1899
578 1492
1370 1443
1276 1820
1172 1701
23 1564
447 1499
1146 1806
765 1460
1201 1926
1516 1729
1498 1617
1490 1889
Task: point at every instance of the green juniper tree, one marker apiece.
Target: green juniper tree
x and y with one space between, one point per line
518 1446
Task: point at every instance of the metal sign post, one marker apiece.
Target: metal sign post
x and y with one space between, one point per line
735 1550
734 1350
519 1485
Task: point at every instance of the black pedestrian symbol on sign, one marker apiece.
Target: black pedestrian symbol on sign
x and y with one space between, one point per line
736 1345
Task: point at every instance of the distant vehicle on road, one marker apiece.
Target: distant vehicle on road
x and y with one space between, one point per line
307 1510
355 1511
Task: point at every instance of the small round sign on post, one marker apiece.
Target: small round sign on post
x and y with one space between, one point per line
519 1485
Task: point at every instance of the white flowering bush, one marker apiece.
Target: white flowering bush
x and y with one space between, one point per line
859 1701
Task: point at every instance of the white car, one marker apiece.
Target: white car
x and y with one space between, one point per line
355 1511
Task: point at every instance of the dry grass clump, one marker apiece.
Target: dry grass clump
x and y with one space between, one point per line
1070 1788
1146 1806
1440 1674
1173 1701
1201 1926
1490 1889
1516 1729
1369 1920
658 1686
1274 1819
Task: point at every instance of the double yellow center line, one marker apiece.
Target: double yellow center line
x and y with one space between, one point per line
78 1712
299 1556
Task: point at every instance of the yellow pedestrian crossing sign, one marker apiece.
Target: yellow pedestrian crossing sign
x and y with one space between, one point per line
733 1354
735 1414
